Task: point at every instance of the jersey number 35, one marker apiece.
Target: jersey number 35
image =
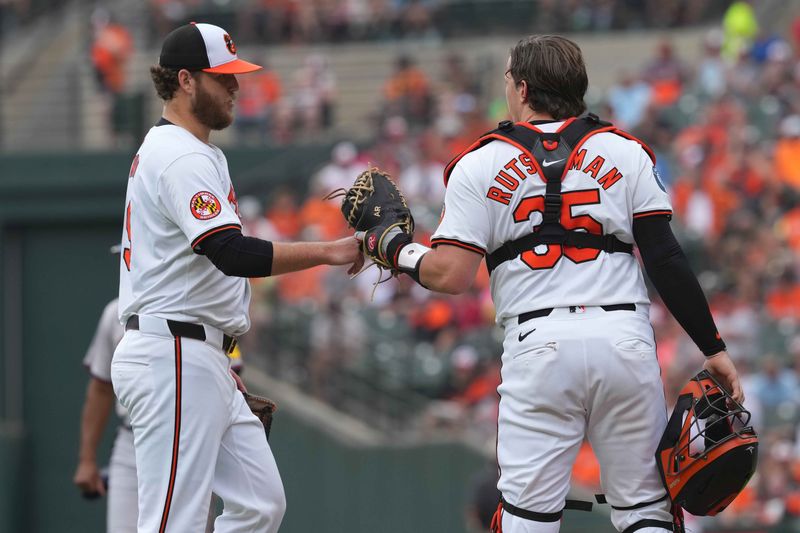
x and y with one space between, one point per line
535 204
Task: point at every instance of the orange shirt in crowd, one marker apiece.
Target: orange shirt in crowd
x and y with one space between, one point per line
712 135
784 301
716 184
410 82
471 132
665 92
111 50
325 215
482 387
793 503
724 201
789 226
680 193
743 502
435 315
787 161
301 285
285 217
257 92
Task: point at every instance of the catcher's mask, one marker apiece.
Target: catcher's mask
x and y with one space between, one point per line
708 452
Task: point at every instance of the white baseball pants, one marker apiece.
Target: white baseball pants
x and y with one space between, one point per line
194 434
577 373
122 511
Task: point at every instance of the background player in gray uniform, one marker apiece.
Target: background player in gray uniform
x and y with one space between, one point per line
121 509
120 480
579 355
184 297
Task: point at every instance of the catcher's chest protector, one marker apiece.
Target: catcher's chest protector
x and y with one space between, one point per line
552 155
708 453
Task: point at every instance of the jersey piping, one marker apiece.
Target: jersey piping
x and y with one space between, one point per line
212 231
176 439
652 213
460 244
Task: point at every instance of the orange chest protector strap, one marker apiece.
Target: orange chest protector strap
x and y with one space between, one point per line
552 155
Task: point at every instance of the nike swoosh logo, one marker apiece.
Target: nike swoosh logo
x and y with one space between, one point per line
522 337
548 163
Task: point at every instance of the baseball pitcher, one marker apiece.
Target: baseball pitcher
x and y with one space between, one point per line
184 296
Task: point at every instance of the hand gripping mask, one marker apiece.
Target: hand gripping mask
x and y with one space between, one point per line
708 452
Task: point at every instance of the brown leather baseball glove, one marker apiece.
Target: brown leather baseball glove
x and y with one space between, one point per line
262 408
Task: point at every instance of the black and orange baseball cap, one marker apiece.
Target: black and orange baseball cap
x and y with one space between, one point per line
199 46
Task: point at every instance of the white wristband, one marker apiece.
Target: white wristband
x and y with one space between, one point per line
410 255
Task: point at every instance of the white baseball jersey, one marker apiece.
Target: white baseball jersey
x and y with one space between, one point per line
179 192
101 350
494 195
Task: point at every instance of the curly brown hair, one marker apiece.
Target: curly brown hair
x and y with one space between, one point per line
553 68
165 81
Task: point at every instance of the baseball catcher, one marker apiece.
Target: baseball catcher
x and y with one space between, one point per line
377 210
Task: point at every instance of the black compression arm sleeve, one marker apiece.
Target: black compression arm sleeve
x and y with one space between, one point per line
237 255
669 270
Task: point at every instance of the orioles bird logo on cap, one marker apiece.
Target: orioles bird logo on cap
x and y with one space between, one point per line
230 44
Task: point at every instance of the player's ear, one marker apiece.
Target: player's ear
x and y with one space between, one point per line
523 90
186 80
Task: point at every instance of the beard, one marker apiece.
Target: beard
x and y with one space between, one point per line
210 112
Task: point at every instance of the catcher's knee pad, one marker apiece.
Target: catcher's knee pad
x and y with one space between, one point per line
511 519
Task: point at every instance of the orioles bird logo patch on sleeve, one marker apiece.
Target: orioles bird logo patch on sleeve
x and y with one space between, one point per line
204 205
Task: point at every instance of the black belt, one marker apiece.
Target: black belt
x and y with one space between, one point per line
185 329
530 315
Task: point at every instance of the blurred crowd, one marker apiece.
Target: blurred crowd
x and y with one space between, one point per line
726 131
279 112
332 21
16 14
300 104
269 112
305 21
